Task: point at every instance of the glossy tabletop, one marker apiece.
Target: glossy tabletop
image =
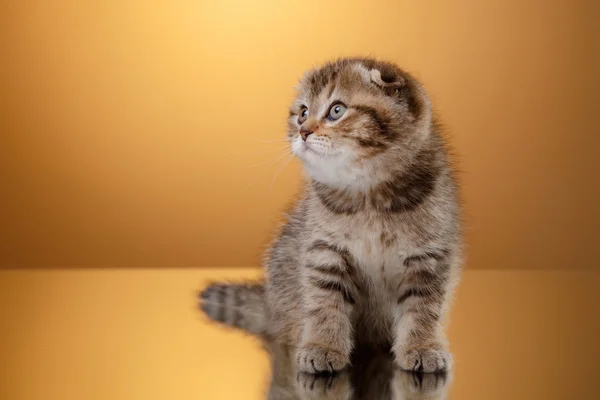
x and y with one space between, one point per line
137 334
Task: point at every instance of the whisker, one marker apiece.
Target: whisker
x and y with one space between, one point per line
274 141
257 164
279 148
274 149
281 168
266 168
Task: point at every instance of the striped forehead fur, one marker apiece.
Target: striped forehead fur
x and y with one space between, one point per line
369 76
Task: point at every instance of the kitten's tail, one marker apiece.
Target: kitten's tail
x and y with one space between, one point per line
239 305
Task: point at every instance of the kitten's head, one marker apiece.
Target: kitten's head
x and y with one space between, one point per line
356 122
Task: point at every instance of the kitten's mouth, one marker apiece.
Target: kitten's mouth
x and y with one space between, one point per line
306 148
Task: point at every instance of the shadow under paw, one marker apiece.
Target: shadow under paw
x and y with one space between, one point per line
324 386
420 385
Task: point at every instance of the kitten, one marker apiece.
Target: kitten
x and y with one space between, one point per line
371 253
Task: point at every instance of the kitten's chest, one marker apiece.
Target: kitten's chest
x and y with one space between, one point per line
377 247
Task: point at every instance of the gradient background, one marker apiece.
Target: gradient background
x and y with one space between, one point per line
126 125
125 130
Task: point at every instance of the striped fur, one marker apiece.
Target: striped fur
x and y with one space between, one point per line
237 305
371 252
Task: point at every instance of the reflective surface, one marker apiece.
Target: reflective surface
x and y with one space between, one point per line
137 334
373 376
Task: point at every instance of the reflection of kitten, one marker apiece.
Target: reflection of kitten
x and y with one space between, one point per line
372 251
373 376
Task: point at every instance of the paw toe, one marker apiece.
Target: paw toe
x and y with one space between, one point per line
314 359
426 359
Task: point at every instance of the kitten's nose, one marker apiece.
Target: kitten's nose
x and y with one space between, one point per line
305 133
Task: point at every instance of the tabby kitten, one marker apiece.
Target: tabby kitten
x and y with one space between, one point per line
371 252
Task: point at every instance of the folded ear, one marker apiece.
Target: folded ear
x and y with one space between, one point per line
389 81
402 88
397 84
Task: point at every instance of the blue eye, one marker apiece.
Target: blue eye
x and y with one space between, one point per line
336 111
303 115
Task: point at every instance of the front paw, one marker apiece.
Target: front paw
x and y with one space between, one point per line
433 358
314 358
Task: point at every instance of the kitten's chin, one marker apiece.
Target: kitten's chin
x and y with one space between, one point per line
335 172
332 168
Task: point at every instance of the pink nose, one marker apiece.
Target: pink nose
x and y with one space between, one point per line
305 133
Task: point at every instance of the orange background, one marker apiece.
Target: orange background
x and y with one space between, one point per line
125 131
127 126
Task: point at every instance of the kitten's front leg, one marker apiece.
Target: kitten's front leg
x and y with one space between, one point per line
327 301
422 294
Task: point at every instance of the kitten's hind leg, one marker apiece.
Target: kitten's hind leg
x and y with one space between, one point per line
328 297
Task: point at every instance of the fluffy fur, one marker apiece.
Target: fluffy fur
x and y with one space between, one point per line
371 252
